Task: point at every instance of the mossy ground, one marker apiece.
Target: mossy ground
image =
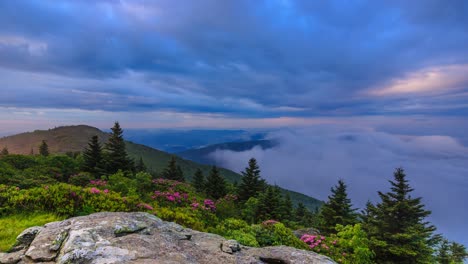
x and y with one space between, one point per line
11 226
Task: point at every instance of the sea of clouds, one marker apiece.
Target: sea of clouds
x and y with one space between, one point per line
311 160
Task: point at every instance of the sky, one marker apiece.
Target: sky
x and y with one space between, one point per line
228 64
384 80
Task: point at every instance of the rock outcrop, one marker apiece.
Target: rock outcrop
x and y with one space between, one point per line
139 238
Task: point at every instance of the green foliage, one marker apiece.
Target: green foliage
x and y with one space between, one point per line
354 242
199 181
12 225
450 252
116 154
173 171
249 210
252 184
397 226
81 179
122 184
140 166
44 149
272 233
337 210
92 158
269 204
215 184
183 216
349 245
237 229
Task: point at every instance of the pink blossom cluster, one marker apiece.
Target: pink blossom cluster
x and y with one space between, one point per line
209 205
145 205
315 241
98 182
195 205
269 222
172 196
95 190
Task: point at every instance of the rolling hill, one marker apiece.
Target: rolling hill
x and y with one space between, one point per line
75 138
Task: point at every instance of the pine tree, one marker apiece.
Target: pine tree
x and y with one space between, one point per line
4 151
173 171
116 154
397 226
337 210
92 158
198 181
252 184
269 204
140 166
44 149
215 184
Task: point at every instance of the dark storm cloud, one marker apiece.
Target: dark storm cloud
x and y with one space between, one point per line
322 57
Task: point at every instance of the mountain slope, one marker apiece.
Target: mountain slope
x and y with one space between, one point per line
202 155
75 138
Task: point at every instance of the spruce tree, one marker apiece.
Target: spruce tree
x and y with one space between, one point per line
44 149
337 210
92 158
252 184
116 153
198 181
173 171
287 208
4 151
140 166
397 226
269 204
215 184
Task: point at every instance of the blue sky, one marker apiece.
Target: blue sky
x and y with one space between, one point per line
230 63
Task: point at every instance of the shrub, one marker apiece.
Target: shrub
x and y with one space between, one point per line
349 245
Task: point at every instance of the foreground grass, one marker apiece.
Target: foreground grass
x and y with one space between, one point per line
11 226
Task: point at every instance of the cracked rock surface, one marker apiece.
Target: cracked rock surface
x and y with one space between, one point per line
139 238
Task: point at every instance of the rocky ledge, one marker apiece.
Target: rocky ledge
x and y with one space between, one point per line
139 238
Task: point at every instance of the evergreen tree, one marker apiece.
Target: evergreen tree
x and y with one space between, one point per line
397 226
337 210
198 181
215 184
286 208
92 158
116 154
252 184
173 171
4 151
304 216
443 254
44 149
459 253
140 166
269 204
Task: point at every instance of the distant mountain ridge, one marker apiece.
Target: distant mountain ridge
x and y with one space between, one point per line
202 155
75 138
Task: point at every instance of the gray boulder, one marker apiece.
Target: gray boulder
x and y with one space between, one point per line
142 238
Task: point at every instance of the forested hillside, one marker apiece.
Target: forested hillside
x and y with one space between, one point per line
71 140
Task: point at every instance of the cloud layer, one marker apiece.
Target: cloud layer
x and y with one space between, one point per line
311 161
